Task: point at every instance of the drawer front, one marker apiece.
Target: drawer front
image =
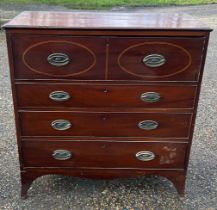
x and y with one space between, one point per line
155 59
86 95
104 124
103 154
58 57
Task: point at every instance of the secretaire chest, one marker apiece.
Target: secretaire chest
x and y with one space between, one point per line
105 95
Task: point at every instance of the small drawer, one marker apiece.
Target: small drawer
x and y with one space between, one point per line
156 59
107 124
58 57
40 153
86 95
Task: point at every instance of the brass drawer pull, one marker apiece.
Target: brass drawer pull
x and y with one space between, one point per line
148 125
58 59
61 125
154 60
59 96
150 97
145 155
61 154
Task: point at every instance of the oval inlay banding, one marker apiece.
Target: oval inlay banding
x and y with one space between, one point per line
59 58
154 60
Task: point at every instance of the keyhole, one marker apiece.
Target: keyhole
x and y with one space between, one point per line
105 90
103 146
104 118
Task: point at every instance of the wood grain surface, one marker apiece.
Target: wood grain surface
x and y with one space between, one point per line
106 20
103 154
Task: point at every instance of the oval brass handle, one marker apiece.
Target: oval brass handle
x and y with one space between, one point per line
58 59
61 154
154 60
145 155
59 96
150 97
61 125
148 125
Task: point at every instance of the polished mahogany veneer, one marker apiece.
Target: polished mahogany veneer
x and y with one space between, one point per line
105 95
103 154
30 95
182 58
106 20
105 124
86 58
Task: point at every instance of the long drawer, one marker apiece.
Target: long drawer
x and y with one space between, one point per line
103 154
34 123
95 95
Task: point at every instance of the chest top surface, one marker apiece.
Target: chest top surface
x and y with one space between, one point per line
106 20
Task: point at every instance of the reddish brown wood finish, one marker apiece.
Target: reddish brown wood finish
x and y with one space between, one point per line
87 59
123 63
107 138
183 58
108 32
105 124
177 177
105 35
33 95
103 154
106 20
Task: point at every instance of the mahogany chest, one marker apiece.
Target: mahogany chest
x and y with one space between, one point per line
105 95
